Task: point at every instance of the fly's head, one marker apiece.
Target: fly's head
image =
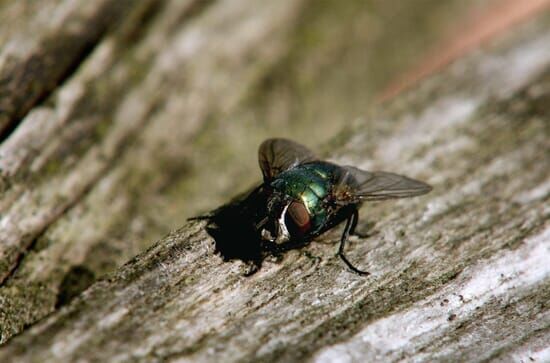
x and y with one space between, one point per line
287 219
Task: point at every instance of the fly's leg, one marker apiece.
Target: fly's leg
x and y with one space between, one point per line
351 223
204 217
366 232
249 268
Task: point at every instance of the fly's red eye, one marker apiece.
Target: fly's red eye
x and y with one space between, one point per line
299 213
298 218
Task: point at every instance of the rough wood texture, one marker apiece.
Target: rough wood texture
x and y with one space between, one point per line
40 52
461 273
109 127
120 118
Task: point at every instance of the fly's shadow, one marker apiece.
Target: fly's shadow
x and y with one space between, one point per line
234 228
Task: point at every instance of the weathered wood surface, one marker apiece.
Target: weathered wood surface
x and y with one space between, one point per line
459 274
109 127
115 118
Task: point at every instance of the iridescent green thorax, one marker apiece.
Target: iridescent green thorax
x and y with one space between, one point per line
309 183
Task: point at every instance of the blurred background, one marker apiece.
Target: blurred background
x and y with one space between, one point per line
337 60
337 57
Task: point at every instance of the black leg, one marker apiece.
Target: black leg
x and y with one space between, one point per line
368 232
251 267
354 220
351 223
204 217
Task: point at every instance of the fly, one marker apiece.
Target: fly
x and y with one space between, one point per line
300 198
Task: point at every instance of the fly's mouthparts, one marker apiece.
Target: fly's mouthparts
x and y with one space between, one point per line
266 235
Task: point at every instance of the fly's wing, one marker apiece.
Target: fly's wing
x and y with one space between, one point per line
278 155
357 185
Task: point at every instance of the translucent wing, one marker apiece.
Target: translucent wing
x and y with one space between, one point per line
277 155
358 185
